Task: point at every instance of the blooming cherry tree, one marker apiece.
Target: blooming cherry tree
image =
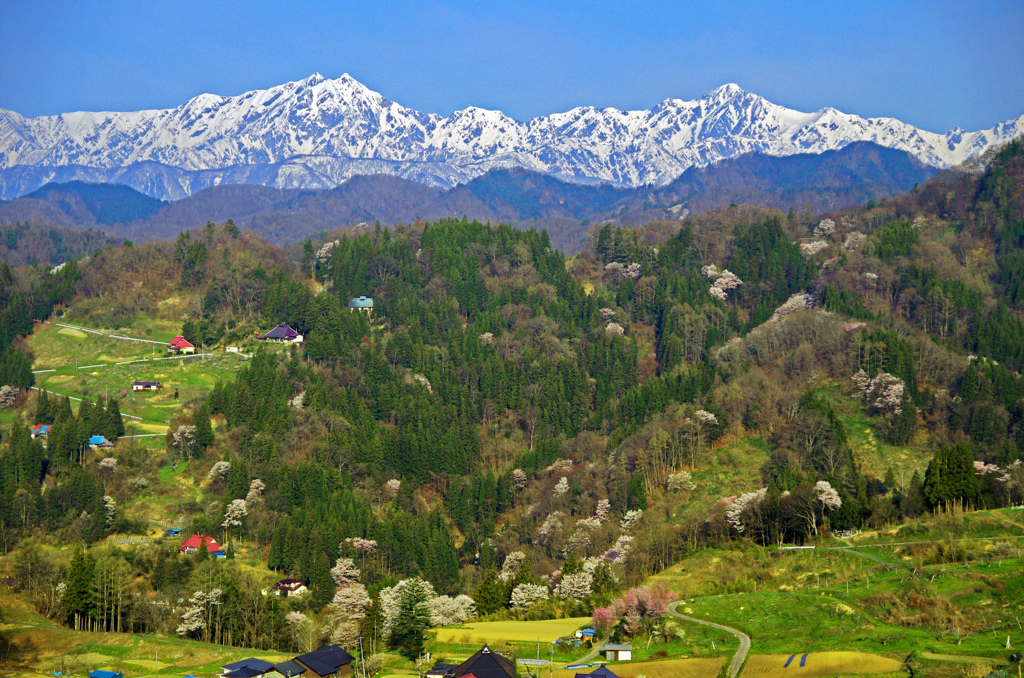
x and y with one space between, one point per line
561 487
630 520
219 470
824 228
575 586
681 481
525 596
734 511
884 392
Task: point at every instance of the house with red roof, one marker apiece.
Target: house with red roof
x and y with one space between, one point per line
192 544
181 345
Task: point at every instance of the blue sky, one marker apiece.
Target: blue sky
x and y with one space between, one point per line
936 65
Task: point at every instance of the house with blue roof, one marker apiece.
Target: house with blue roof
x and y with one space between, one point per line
99 441
361 304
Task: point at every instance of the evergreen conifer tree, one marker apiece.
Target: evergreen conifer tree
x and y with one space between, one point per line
115 422
408 632
43 409
204 430
489 594
202 553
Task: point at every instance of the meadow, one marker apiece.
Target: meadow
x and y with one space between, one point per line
76 363
501 631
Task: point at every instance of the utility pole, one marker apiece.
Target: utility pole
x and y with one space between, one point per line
362 657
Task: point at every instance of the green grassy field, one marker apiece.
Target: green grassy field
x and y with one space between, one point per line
65 352
818 601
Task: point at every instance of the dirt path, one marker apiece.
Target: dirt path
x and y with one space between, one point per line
741 653
868 555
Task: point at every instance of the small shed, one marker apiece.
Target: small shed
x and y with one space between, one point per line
180 345
618 653
39 430
147 386
361 304
287 669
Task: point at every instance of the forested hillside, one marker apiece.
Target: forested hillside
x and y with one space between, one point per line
535 432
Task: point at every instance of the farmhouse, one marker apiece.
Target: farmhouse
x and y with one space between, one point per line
192 544
599 672
486 663
282 333
39 430
327 661
441 670
180 345
246 668
96 442
362 304
618 653
290 587
147 386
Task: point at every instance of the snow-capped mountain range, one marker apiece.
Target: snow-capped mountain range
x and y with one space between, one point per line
317 132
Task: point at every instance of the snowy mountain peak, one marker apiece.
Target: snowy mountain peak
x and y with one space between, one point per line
317 132
729 90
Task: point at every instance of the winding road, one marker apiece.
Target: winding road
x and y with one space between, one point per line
741 653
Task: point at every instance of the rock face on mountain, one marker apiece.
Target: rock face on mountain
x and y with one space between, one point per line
315 133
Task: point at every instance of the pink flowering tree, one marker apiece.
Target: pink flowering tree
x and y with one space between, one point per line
884 392
603 620
827 497
643 607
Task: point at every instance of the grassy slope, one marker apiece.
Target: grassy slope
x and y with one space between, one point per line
59 348
813 601
42 648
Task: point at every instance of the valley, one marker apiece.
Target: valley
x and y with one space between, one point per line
803 427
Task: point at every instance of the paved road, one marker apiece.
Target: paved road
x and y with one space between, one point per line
741 653
598 649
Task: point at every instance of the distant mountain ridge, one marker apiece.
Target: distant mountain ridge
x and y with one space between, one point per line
316 133
851 176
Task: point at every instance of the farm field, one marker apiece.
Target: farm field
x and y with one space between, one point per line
819 664
666 668
499 632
